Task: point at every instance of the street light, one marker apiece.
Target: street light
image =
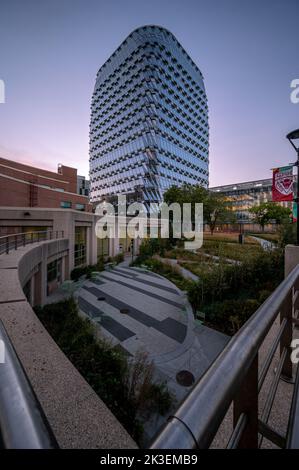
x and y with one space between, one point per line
294 135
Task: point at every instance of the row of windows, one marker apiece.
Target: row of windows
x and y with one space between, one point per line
138 146
139 94
115 158
130 62
68 205
101 94
146 136
150 115
174 116
135 168
119 95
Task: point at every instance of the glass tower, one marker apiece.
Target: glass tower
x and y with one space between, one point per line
149 120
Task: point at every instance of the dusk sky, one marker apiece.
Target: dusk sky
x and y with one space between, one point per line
50 51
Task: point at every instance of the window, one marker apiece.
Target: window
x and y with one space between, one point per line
80 207
80 246
53 275
66 204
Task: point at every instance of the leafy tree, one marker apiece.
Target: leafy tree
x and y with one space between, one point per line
267 211
215 209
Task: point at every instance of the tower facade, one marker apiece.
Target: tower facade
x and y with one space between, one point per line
149 120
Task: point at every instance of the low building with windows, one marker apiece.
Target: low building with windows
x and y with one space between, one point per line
27 186
242 196
82 185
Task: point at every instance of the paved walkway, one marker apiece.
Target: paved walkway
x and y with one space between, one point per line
139 310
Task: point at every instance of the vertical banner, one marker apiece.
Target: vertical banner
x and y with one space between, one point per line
282 184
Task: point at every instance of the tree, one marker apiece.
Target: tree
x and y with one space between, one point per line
267 211
215 209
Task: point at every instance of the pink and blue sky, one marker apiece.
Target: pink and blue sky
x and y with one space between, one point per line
50 51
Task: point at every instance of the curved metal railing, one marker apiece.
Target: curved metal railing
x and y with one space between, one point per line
17 240
234 378
23 424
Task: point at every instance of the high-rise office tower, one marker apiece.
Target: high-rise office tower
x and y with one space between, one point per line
149 120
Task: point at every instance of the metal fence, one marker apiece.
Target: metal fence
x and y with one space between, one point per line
15 241
235 378
23 424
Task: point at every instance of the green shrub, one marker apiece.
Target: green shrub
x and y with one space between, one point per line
229 294
77 273
119 258
86 270
100 266
127 387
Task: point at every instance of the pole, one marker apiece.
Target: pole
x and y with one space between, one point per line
132 249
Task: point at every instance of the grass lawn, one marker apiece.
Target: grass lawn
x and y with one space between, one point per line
228 237
230 250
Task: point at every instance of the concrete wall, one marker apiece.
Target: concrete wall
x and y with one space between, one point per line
20 219
14 220
23 185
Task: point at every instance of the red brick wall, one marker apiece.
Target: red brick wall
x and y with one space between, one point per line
65 179
16 192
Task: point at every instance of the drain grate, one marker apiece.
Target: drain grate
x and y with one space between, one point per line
101 298
185 378
125 311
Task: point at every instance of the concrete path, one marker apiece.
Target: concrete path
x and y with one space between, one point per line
183 271
139 310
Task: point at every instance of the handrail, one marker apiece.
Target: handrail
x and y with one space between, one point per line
293 426
23 424
16 240
196 422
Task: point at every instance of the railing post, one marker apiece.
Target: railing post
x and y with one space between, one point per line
286 311
38 237
16 242
296 299
7 245
31 237
24 239
246 402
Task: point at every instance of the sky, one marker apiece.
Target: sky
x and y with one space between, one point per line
51 50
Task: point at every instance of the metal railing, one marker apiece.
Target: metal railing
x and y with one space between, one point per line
17 240
235 378
23 424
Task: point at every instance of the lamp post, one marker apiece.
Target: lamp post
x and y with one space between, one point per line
294 135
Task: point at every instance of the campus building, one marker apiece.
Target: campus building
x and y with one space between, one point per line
27 186
242 196
149 120
82 186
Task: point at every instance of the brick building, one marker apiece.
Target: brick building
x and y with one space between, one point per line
26 186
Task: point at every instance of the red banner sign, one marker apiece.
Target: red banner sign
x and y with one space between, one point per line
282 184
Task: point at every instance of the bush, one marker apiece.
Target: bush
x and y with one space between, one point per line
77 273
152 246
119 258
126 387
86 270
229 294
229 315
